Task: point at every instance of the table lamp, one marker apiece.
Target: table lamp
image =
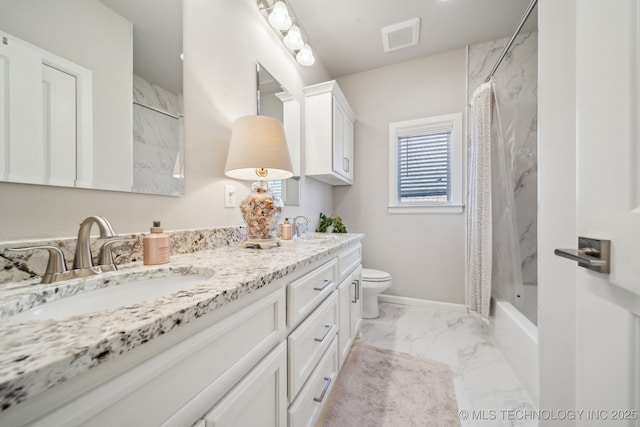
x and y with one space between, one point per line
258 150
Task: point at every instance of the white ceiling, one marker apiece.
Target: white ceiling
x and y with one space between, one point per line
346 34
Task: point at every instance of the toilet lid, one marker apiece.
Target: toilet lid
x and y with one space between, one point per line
371 275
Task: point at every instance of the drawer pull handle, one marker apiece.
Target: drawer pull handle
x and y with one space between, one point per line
325 387
327 282
329 329
356 291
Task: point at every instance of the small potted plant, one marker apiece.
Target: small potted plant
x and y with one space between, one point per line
333 222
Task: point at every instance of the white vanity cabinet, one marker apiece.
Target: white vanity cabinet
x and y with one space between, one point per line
174 379
318 345
270 358
329 134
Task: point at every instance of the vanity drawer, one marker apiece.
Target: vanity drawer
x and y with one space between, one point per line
306 293
306 408
348 260
308 342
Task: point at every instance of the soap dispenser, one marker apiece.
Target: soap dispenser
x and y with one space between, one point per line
156 246
286 230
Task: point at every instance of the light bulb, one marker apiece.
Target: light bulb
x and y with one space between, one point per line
305 56
293 39
279 17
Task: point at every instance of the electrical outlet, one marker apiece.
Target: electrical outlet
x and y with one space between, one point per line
229 196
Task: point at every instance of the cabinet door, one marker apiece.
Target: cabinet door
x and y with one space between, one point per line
356 302
344 319
342 142
339 119
347 147
260 399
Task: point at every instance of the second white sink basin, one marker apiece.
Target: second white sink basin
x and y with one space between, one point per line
316 237
117 295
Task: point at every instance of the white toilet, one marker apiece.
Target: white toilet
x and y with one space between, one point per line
373 283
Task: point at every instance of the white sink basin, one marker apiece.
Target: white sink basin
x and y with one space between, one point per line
117 295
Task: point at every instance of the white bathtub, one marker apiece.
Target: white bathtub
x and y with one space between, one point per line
517 337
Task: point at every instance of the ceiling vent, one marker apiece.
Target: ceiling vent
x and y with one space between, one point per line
401 35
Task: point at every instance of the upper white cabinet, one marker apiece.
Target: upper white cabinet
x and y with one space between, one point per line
329 124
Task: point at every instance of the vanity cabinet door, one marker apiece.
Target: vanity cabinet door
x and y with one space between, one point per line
260 399
344 319
356 301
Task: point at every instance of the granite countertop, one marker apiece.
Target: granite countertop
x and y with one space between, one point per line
37 355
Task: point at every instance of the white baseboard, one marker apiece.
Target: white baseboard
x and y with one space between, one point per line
415 302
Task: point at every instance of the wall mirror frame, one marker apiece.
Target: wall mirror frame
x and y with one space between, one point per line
130 137
272 99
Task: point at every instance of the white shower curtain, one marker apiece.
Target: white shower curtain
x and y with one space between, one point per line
479 222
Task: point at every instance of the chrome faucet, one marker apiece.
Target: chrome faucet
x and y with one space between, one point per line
296 229
83 258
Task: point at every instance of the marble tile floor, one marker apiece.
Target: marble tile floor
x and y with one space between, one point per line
487 390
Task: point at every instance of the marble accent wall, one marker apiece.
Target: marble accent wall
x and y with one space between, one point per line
158 148
19 266
516 85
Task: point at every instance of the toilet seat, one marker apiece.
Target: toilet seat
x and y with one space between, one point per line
371 275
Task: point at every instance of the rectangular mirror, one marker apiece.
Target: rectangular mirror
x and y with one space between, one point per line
91 94
275 101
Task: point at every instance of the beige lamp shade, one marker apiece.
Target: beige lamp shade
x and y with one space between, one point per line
258 142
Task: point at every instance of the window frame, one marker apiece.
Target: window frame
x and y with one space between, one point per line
398 129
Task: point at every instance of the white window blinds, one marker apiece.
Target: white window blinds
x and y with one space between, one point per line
276 187
424 165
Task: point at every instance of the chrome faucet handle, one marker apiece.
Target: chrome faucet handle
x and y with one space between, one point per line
56 264
105 258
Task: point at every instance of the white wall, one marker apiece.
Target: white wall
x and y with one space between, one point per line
221 48
424 253
556 203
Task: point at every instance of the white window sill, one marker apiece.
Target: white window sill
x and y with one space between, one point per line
425 209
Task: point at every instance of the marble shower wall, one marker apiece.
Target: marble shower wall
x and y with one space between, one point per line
516 85
157 140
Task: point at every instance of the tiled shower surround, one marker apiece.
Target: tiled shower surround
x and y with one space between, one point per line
515 83
157 139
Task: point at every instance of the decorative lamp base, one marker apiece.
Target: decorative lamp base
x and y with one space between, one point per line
261 211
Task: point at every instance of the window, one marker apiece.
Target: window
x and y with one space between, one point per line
425 165
276 187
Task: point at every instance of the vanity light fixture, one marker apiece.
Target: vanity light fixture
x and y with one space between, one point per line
293 40
279 17
258 149
305 56
283 22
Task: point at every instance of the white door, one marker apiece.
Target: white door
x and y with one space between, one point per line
21 153
608 207
59 126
